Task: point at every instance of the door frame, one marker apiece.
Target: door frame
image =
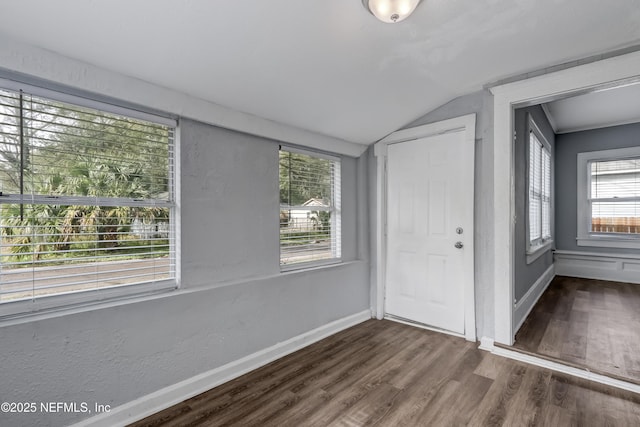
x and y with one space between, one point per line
466 124
603 74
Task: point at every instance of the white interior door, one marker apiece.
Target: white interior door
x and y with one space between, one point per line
429 221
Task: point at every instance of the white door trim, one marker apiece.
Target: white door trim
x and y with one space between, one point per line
464 123
612 72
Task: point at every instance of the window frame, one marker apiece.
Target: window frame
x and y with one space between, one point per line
537 247
584 235
73 300
335 210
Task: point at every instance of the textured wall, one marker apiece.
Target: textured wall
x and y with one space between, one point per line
234 301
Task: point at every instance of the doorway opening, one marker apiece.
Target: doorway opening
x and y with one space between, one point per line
593 78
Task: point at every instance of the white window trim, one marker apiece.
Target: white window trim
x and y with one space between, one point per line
70 302
336 217
584 235
535 251
87 102
309 264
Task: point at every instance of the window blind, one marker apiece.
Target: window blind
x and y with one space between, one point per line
546 194
615 196
539 194
309 207
535 190
86 198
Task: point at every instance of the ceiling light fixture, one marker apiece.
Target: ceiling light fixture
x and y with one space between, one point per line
390 11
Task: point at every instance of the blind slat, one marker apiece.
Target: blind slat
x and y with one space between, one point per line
615 196
539 194
87 198
309 207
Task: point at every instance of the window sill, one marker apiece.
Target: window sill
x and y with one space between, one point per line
609 242
166 292
535 252
285 268
27 310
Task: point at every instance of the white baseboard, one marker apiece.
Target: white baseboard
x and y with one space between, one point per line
176 393
526 303
601 266
569 370
486 344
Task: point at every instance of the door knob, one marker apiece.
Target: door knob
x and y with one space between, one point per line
458 245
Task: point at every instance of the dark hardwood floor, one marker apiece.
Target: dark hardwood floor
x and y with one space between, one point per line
384 373
593 324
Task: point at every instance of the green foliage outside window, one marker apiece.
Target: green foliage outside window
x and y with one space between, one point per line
56 150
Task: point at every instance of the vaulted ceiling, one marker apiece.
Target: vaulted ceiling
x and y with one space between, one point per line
325 66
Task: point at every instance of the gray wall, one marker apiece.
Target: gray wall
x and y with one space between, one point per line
527 274
567 148
233 301
480 103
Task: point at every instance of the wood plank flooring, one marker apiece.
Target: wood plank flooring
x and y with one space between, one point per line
589 323
383 373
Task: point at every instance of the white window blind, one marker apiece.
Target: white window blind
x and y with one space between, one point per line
309 207
539 191
546 194
86 199
615 196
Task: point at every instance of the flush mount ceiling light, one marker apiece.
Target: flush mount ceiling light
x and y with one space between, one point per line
390 11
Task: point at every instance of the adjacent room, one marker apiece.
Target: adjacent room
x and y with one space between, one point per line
365 212
588 315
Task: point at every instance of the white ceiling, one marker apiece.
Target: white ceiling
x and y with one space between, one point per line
326 66
594 110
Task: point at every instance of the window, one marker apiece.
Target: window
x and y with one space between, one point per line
309 208
86 201
539 191
609 198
